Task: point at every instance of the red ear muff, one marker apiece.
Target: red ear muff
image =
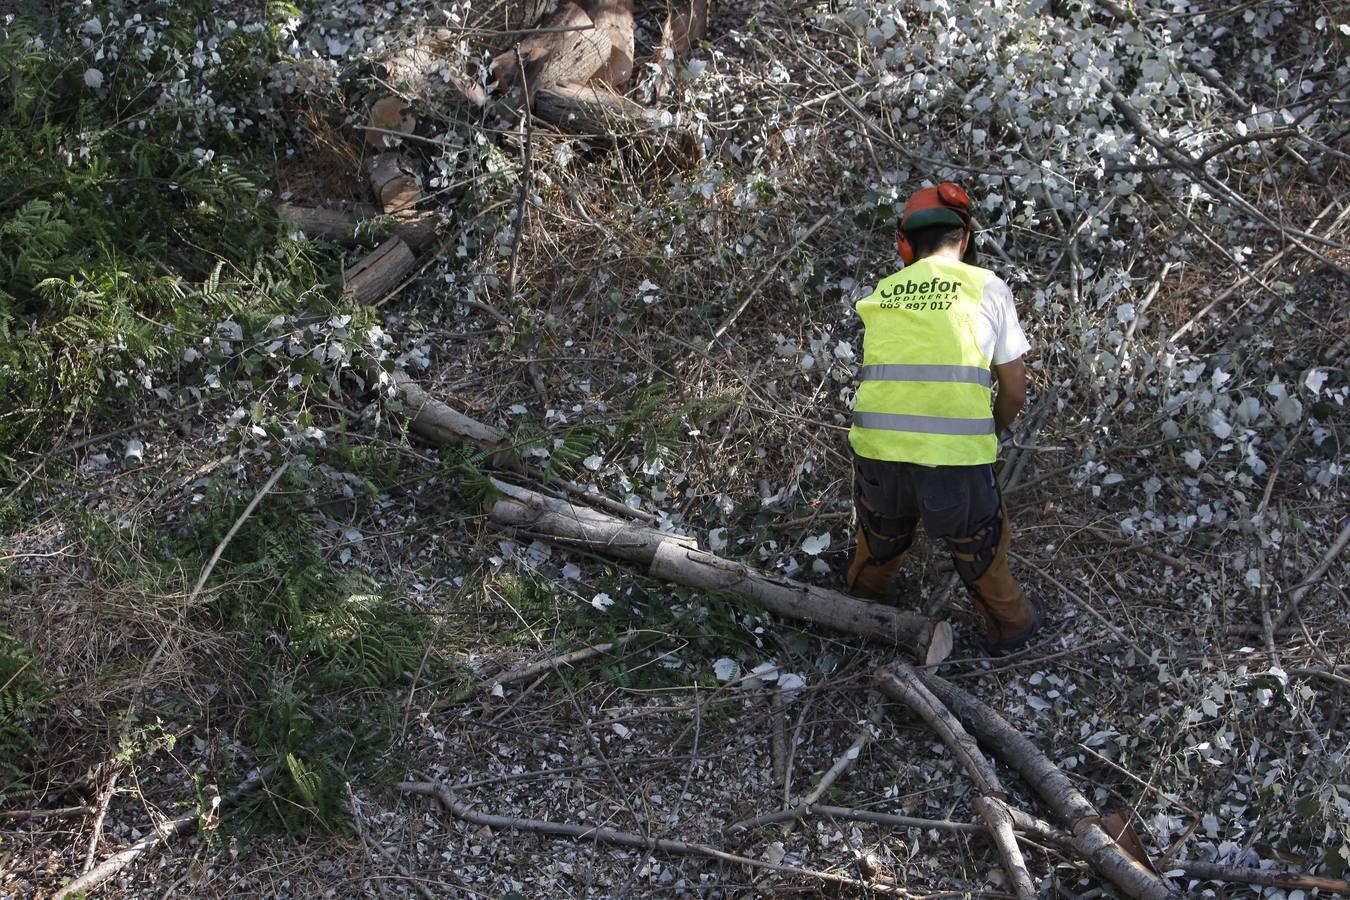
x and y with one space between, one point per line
953 195
902 246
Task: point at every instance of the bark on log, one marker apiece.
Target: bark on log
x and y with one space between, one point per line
415 227
1106 856
573 49
615 19
388 114
438 424
522 14
578 524
317 222
792 599
673 558
394 181
686 24
595 110
380 271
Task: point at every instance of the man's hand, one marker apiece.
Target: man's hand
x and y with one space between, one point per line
1012 392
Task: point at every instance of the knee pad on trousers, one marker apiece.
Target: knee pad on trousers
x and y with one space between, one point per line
871 575
982 561
973 555
887 536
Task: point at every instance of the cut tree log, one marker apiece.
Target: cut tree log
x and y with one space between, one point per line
523 14
571 49
686 24
902 683
579 525
793 599
438 424
415 227
394 181
615 19
317 222
388 114
420 71
673 558
595 110
380 271
1074 810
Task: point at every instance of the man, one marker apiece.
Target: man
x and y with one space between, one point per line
924 437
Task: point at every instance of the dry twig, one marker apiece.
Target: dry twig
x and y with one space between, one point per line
599 834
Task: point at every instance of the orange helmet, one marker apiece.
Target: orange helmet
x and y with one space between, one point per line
946 204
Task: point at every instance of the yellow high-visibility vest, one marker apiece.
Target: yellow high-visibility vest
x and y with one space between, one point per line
926 389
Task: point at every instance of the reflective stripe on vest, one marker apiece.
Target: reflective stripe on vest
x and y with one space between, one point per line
922 424
926 386
904 372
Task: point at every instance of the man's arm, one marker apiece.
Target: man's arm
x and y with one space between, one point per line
1012 392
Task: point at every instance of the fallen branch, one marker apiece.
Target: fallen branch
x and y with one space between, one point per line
845 762
674 558
1206 871
23 815
451 804
841 765
100 813
544 666
439 424
163 833
1089 840
1296 596
852 815
234 529
764 279
902 683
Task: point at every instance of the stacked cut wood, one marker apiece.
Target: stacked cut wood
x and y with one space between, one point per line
571 71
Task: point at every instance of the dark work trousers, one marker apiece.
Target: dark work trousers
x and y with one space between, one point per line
958 504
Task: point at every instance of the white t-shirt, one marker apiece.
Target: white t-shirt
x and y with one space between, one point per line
997 330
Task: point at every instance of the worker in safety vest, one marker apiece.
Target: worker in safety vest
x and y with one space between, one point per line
937 335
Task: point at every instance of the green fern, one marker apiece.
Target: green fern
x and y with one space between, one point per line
108 220
23 698
475 487
574 446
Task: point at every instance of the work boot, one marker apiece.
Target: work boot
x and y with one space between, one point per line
1010 620
872 578
1017 641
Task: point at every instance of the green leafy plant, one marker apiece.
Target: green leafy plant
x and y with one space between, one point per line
338 635
23 699
127 228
